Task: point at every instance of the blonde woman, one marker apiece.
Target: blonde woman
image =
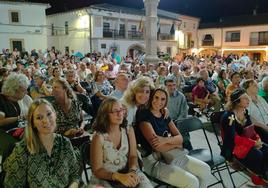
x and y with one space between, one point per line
137 95
113 149
42 158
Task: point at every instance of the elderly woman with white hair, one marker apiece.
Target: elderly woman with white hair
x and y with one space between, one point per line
263 88
14 101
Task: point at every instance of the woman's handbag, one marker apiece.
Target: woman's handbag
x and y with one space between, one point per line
242 146
249 132
177 156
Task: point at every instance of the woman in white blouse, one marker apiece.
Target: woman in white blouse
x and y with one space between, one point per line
258 109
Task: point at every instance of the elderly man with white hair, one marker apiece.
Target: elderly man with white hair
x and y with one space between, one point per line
121 83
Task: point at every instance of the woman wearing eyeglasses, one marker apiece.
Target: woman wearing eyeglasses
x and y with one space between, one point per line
160 136
113 151
239 137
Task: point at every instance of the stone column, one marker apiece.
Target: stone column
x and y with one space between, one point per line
151 31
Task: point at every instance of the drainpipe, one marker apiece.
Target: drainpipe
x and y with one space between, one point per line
90 29
221 41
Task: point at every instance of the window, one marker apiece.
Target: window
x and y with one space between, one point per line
133 28
263 38
232 36
194 26
169 50
122 30
208 40
184 24
103 46
14 16
106 26
67 50
66 28
52 29
17 43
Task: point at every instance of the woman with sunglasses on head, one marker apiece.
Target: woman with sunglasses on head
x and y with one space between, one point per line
113 151
160 137
239 138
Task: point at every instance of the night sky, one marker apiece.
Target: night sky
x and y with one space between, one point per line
207 10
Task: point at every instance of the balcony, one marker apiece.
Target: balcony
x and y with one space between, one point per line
207 42
113 33
166 36
138 35
257 41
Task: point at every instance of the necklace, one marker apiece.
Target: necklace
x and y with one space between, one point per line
240 118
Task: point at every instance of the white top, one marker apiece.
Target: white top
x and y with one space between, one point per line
259 110
25 105
131 113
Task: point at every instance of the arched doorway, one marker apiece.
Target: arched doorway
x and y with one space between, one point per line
208 52
136 50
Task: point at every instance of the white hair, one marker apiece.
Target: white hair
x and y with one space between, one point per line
13 83
264 81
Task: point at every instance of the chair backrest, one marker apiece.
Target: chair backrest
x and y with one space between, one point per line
85 156
193 124
85 152
7 143
215 119
190 124
86 103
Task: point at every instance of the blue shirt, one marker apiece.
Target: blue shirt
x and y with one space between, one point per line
117 94
177 106
211 87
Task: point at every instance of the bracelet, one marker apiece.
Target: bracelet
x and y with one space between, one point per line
133 170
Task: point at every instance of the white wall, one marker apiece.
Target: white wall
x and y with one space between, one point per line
79 40
244 34
122 45
163 45
31 29
219 35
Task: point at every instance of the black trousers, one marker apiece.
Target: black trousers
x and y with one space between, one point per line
257 160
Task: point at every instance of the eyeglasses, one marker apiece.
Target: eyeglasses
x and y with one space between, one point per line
118 111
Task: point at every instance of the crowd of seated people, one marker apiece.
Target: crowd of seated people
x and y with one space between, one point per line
68 82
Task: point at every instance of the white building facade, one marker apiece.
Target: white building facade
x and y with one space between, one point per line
249 37
104 27
23 25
